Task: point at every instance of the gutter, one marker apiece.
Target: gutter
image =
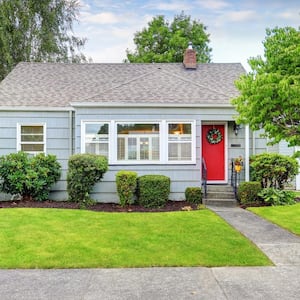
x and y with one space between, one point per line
35 108
150 105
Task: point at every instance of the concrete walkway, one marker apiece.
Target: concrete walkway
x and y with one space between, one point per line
281 246
278 282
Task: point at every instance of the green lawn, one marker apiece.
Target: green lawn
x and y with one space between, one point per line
57 238
287 217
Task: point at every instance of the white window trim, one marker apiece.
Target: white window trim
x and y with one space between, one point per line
163 141
193 142
134 162
19 143
82 133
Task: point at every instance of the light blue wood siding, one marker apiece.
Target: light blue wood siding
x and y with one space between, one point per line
64 138
57 139
181 176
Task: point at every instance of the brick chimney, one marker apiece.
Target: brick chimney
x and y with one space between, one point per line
189 58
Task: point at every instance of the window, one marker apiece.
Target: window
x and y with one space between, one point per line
31 138
138 142
96 138
159 142
180 141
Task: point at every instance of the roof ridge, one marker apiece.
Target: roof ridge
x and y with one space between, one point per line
194 83
121 84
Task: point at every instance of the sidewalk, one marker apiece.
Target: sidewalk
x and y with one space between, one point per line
281 246
272 283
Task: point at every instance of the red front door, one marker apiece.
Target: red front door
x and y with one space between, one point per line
213 151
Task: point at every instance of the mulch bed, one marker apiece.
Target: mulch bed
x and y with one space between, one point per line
111 207
105 207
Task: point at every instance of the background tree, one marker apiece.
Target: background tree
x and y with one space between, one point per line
270 93
33 30
164 42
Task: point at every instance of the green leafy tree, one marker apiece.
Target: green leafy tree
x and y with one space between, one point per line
270 93
164 42
32 30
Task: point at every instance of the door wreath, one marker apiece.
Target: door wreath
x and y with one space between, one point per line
214 136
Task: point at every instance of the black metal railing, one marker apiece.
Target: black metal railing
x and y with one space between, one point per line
204 178
235 178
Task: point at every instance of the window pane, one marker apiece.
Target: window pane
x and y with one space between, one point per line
155 148
132 148
97 148
180 131
99 128
32 147
132 128
96 138
144 148
32 129
180 151
138 141
32 138
121 148
96 132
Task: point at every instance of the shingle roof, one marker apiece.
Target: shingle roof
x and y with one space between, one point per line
57 84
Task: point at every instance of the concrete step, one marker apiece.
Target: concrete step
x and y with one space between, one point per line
220 202
220 195
219 188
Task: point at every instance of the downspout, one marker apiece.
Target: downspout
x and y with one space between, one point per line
70 132
253 143
247 152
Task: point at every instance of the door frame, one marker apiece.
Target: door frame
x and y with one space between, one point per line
225 123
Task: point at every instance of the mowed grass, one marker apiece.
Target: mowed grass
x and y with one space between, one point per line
287 217
57 238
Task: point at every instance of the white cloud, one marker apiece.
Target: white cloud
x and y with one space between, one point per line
169 6
241 16
101 18
290 16
113 54
214 4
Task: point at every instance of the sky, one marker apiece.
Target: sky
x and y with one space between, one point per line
237 28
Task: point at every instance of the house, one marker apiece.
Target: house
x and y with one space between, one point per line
150 118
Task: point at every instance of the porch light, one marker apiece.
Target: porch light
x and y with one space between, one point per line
236 128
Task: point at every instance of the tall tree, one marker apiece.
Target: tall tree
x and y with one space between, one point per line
164 42
270 93
32 30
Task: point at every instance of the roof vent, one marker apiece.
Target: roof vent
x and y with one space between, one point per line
189 58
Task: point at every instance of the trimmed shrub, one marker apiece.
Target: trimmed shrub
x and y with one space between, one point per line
153 190
277 197
248 192
193 195
29 176
273 169
126 182
84 171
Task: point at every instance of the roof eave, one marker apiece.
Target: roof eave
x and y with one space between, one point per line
35 108
150 105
